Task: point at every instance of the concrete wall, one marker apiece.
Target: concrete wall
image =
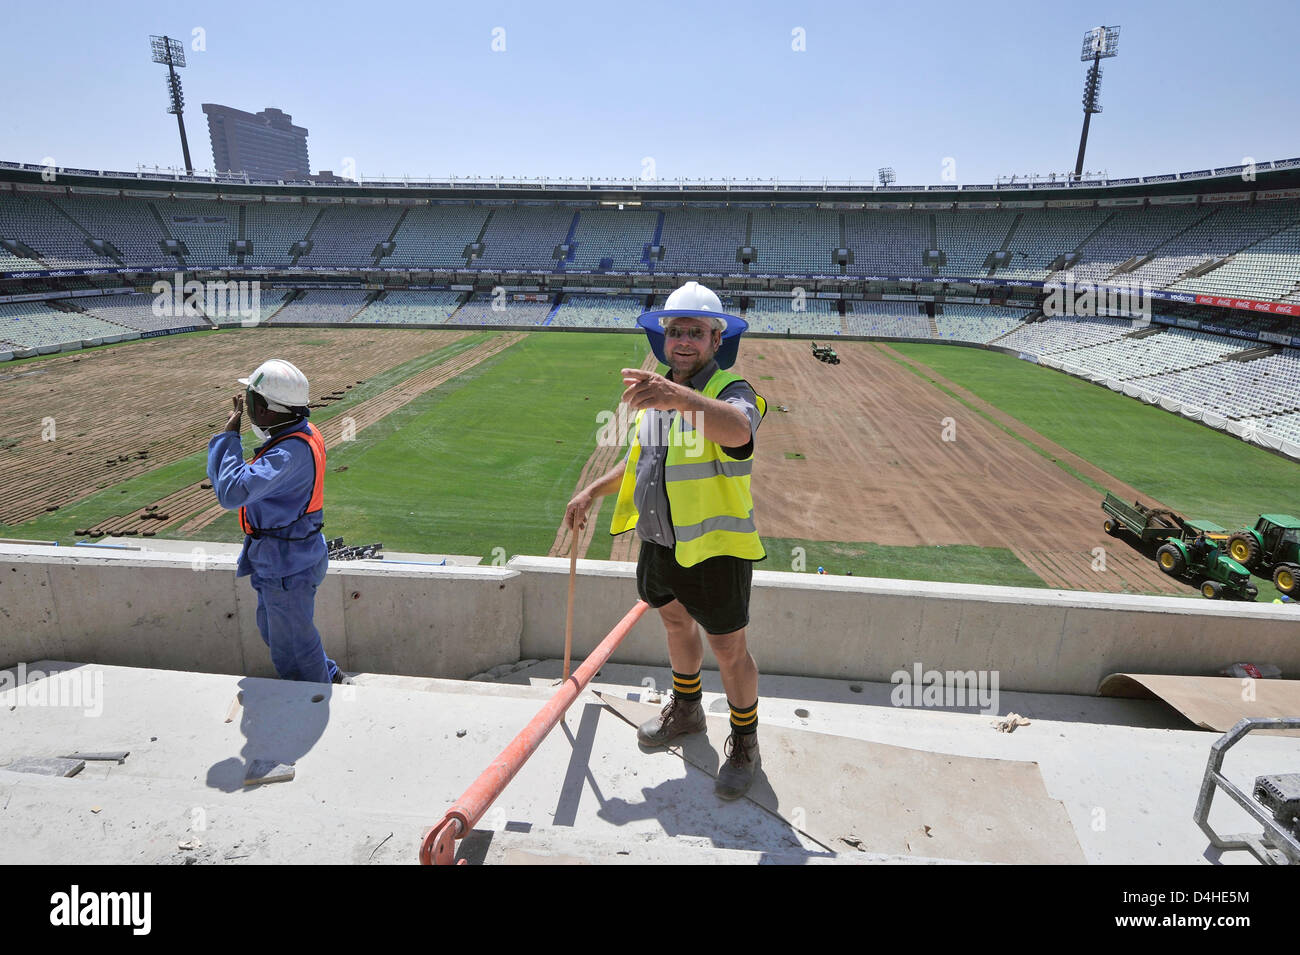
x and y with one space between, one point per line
1048 641
137 608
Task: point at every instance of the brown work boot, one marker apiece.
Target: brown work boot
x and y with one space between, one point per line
677 718
737 773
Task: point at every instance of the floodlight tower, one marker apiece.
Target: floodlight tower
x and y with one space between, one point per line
1099 43
886 175
172 53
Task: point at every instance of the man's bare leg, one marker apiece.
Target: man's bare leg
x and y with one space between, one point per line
686 651
737 667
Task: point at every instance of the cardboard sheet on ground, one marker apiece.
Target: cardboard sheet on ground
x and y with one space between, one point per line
1211 702
851 794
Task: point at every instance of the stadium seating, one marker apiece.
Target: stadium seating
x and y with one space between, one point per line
702 239
323 306
1132 232
816 317
129 224
887 320
206 228
136 310
524 237
976 323
1063 334
411 308
1044 234
967 238
1169 350
46 230
1269 269
886 242
273 228
1226 230
34 324
598 311
435 237
1236 389
795 241
619 236
347 234
479 311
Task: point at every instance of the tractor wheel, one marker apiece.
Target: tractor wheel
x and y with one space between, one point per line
1244 549
1287 580
1111 527
1211 590
1171 560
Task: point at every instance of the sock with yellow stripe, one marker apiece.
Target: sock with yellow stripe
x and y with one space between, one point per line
744 719
687 687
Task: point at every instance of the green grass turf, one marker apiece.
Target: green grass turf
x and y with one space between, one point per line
1196 470
125 496
488 460
963 564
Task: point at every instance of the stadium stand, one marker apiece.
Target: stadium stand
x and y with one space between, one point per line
1236 389
598 311
136 310
885 242
34 324
887 320
1168 350
129 224
206 228
702 239
273 228
1062 334
1130 233
1226 230
347 234
795 241
967 238
323 306
817 317
46 230
1284 426
611 239
1044 234
268 302
435 237
1268 269
411 308
976 323
524 237
479 311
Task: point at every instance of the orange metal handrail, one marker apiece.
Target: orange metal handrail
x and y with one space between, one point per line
439 844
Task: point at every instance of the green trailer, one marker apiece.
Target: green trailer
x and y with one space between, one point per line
1271 549
1147 524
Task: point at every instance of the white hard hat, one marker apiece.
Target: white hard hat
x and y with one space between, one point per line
282 385
691 299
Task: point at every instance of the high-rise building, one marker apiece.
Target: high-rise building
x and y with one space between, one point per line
266 145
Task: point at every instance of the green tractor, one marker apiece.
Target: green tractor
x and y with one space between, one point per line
825 353
1271 548
1197 556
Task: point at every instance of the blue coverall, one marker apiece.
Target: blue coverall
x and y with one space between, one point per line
285 573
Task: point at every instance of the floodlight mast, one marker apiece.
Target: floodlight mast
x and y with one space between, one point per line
886 175
172 53
1098 43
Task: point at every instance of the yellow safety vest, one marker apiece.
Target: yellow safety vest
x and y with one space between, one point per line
708 492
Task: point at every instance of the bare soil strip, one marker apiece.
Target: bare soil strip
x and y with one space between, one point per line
62 420
172 510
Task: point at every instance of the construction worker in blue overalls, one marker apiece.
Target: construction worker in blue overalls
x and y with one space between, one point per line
280 495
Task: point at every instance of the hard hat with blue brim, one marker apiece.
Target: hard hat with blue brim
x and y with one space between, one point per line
694 300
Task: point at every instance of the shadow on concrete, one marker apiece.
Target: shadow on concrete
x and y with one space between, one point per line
280 720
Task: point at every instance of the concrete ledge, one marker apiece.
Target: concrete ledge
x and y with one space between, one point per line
187 610
864 628
190 612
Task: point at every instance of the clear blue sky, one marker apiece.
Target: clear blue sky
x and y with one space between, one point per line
705 89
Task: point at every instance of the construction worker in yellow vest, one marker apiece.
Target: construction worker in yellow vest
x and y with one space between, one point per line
684 488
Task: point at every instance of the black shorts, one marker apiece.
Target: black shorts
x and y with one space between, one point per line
715 592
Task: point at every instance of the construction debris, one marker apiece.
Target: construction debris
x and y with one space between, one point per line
268 771
47 765
1008 723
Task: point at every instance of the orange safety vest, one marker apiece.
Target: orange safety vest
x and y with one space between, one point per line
317 502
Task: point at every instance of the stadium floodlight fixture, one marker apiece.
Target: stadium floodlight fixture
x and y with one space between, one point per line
1099 43
171 53
886 175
